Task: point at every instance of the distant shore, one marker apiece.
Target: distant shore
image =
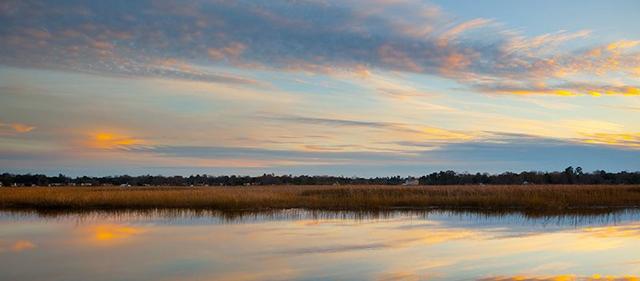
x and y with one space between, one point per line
351 197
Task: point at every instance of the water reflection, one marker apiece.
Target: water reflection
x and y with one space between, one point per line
103 233
314 245
576 217
20 245
562 278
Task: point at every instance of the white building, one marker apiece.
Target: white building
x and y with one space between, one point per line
411 182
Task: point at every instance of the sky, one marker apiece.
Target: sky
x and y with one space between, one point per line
320 87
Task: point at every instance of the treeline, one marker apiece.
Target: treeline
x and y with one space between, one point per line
568 176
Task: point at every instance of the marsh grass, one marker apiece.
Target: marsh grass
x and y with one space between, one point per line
524 198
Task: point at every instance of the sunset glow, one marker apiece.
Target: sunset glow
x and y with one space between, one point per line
366 88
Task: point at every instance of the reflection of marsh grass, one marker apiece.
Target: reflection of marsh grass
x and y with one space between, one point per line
558 218
544 198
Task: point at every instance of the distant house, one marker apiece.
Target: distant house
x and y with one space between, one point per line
411 182
125 185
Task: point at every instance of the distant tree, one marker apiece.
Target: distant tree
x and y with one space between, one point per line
568 176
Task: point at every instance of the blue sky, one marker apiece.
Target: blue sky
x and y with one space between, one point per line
318 87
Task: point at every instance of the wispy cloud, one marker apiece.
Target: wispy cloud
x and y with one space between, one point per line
615 139
566 277
14 128
109 140
508 151
342 122
562 89
310 36
424 131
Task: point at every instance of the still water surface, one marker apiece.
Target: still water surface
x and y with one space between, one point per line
305 245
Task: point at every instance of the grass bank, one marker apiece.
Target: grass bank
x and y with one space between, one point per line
539 197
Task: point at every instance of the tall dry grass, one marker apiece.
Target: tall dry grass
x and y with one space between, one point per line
542 197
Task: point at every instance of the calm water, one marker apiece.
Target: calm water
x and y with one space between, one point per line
303 245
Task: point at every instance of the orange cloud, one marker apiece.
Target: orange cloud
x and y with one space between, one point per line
616 139
15 128
560 278
622 44
22 128
567 90
453 63
112 140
